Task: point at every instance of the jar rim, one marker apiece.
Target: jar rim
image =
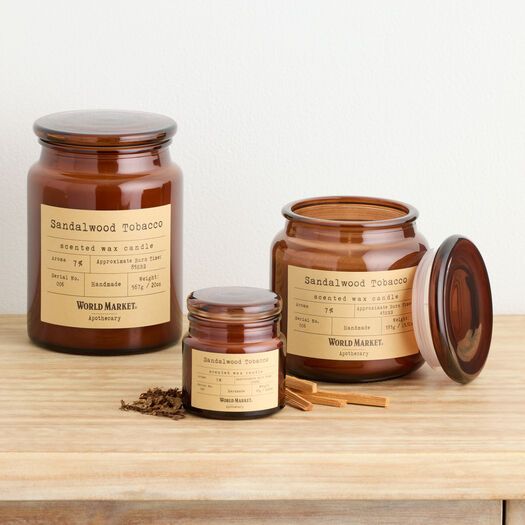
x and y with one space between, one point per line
408 212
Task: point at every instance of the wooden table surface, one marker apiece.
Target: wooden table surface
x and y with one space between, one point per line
62 436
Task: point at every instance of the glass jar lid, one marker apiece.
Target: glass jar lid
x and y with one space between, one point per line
452 309
234 304
105 128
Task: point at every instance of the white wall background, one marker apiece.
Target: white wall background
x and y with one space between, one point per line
422 101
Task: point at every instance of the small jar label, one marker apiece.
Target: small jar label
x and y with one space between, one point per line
235 382
350 316
105 269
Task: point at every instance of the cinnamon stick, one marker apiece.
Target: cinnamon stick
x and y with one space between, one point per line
301 385
297 401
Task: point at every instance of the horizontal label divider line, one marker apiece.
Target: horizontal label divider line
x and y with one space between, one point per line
108 240
108 273
108 297
77 254
216 395
382 290
354 335
346 316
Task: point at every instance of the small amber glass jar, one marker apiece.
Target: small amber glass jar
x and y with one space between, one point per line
233 354
344 267
104 233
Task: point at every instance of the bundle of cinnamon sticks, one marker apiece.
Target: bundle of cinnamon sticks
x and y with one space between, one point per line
303 395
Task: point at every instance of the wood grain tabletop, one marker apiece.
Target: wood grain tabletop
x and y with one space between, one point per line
63 437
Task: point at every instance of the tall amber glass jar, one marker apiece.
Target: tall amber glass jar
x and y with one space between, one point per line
104 233
344 267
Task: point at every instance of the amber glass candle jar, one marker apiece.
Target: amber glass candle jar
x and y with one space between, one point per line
344 267
104 233
233 354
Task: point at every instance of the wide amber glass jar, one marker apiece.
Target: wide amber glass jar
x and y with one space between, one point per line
233 354
104 233
344 267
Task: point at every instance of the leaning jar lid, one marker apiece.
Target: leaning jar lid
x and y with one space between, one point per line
234 304
105 128
452 309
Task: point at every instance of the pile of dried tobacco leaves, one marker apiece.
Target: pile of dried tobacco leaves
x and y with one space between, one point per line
158 402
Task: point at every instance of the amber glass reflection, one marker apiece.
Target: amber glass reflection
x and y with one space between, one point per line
87 178
460 309
346 234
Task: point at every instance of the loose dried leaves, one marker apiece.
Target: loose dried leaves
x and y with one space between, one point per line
158 402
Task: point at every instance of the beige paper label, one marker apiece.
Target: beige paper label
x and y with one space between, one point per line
234 382
350 315
105 269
